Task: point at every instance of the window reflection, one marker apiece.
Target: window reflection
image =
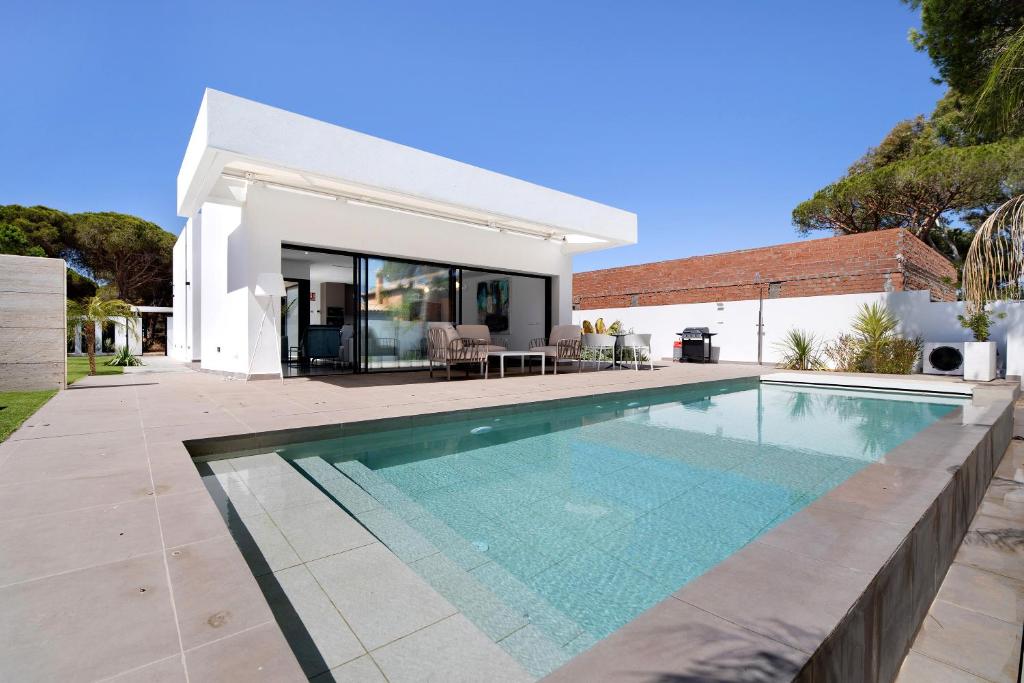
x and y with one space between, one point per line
399 299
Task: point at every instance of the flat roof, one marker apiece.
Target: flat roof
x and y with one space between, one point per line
236 137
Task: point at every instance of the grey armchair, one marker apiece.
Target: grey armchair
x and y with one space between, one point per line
561 346
446 348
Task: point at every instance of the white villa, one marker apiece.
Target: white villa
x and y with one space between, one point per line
380 239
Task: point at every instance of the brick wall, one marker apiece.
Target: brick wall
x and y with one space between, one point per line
887 260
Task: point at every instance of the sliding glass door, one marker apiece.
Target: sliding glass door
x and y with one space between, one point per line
397 300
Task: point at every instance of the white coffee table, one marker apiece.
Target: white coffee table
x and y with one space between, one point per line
522 355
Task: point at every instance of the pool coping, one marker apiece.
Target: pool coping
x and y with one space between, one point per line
766 607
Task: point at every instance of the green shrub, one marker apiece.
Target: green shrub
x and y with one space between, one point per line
844 353
800 351
979 323
124 358
874 345
873 326
899 356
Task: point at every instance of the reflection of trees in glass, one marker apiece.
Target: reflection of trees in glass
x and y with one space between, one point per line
401 298
881 424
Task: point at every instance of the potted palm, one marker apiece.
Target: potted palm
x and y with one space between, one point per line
980 354
93 310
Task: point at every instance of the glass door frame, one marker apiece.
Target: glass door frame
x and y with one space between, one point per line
360 274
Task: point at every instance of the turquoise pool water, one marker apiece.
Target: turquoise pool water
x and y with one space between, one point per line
550 528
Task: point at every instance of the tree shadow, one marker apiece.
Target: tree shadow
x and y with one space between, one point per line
295 632
732 656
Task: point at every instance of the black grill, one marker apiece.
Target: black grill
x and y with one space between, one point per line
695 346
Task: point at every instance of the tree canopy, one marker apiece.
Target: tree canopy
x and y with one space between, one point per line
131 253
939 176
126 253
931 194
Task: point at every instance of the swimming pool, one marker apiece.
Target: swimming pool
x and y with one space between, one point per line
552 525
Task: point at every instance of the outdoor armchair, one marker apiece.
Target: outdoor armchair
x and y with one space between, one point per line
480 334
446 348
562 345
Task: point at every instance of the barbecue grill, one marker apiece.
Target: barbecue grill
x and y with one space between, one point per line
695 345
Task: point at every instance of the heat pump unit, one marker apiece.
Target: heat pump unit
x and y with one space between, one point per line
943 358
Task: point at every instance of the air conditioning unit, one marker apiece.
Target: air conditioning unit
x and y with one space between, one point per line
943 358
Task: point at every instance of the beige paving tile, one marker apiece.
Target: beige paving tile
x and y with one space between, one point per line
920 669
452 650
38 546
81 422
320 529
994 545
648 649
87 624
361 670
779 594
887 493
170 670
189 517
60 495
379 596
214 592
984 646
258 654
982 591
72 462
821 533
171 478
318 635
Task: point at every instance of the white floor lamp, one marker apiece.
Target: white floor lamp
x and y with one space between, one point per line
270 286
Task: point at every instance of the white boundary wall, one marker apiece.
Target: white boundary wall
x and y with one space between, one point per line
825 316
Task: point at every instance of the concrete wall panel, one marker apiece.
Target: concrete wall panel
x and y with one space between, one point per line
33 349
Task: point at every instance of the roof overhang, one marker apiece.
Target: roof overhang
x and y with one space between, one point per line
236 141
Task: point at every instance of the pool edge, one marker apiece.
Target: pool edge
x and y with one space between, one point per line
872 633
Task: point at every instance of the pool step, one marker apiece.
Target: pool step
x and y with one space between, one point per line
511 614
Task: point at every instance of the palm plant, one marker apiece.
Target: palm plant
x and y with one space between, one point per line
874 327
93 310
800 351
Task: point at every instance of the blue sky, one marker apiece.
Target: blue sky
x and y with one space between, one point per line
709 120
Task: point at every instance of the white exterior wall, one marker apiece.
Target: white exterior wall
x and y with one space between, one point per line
526 306
825 316
226 301
183 338
249 240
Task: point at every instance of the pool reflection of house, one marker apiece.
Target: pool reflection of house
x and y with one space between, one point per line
374 240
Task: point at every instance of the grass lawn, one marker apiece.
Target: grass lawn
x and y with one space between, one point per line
18 406
78 367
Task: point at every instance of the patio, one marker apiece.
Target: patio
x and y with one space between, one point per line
116 558
119 564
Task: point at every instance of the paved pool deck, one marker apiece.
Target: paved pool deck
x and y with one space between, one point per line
116 562
972 632
118 565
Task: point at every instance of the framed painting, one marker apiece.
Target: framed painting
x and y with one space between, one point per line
492 304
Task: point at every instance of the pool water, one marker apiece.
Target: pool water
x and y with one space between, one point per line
551 527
